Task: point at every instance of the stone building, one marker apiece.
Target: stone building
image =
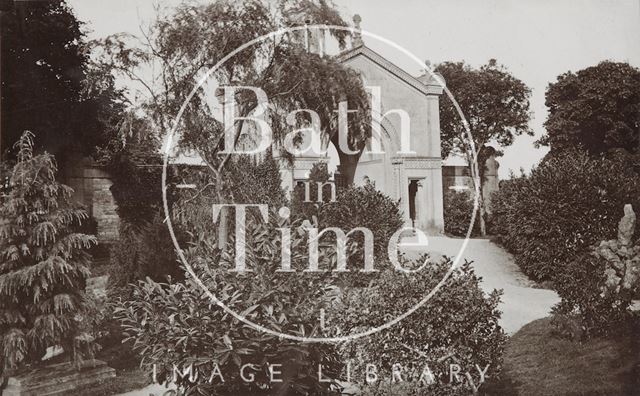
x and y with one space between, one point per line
415 179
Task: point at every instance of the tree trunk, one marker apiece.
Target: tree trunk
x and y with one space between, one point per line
223 229
481 213
480 218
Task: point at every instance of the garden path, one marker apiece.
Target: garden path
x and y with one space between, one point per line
522 301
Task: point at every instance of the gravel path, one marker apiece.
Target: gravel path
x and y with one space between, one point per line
522 302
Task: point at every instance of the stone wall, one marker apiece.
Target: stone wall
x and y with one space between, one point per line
91 185
456 177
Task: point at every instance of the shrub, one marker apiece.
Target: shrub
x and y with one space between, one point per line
567 204
367 207
362 206
458 325
43 263
177 323
307 210
144 250
458 208
144 247
252 182
136 171
598 291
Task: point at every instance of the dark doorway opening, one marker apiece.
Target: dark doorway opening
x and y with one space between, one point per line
413 190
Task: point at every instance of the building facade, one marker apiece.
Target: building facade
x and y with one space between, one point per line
415 179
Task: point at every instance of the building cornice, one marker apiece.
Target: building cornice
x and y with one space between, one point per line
363 50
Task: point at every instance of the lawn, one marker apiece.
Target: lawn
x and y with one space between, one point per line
538 363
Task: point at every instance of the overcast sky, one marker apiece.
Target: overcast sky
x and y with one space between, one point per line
536 39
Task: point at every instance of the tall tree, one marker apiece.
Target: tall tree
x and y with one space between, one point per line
44 74
43 262
496 106
184 45
596 109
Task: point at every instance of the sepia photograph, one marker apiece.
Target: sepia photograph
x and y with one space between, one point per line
319 197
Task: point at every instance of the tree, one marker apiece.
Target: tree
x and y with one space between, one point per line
44 81
43 262
597 109
496 106
188 42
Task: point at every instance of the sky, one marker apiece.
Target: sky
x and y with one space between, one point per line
536 40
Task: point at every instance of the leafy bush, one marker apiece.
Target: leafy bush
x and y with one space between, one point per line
458 208
597 295
458 325
583 311
144 250
567 204
144 247
367 207
251 182
179 324
136 171
362 206
43 263
319 173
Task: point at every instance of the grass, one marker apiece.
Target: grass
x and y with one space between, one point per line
538 363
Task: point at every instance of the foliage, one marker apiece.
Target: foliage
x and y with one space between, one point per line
43 265
495 105
494 102
596 298
319 173
248 181
458 324
44 58
188 42
458 208
362 206
597 109
137 183
549 219
144 247
179 324
144 250
584 311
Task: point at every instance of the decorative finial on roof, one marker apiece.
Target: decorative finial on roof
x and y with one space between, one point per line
428 63
357 35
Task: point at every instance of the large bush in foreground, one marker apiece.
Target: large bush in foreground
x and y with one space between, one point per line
568 203
458 325
178 324
43 263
